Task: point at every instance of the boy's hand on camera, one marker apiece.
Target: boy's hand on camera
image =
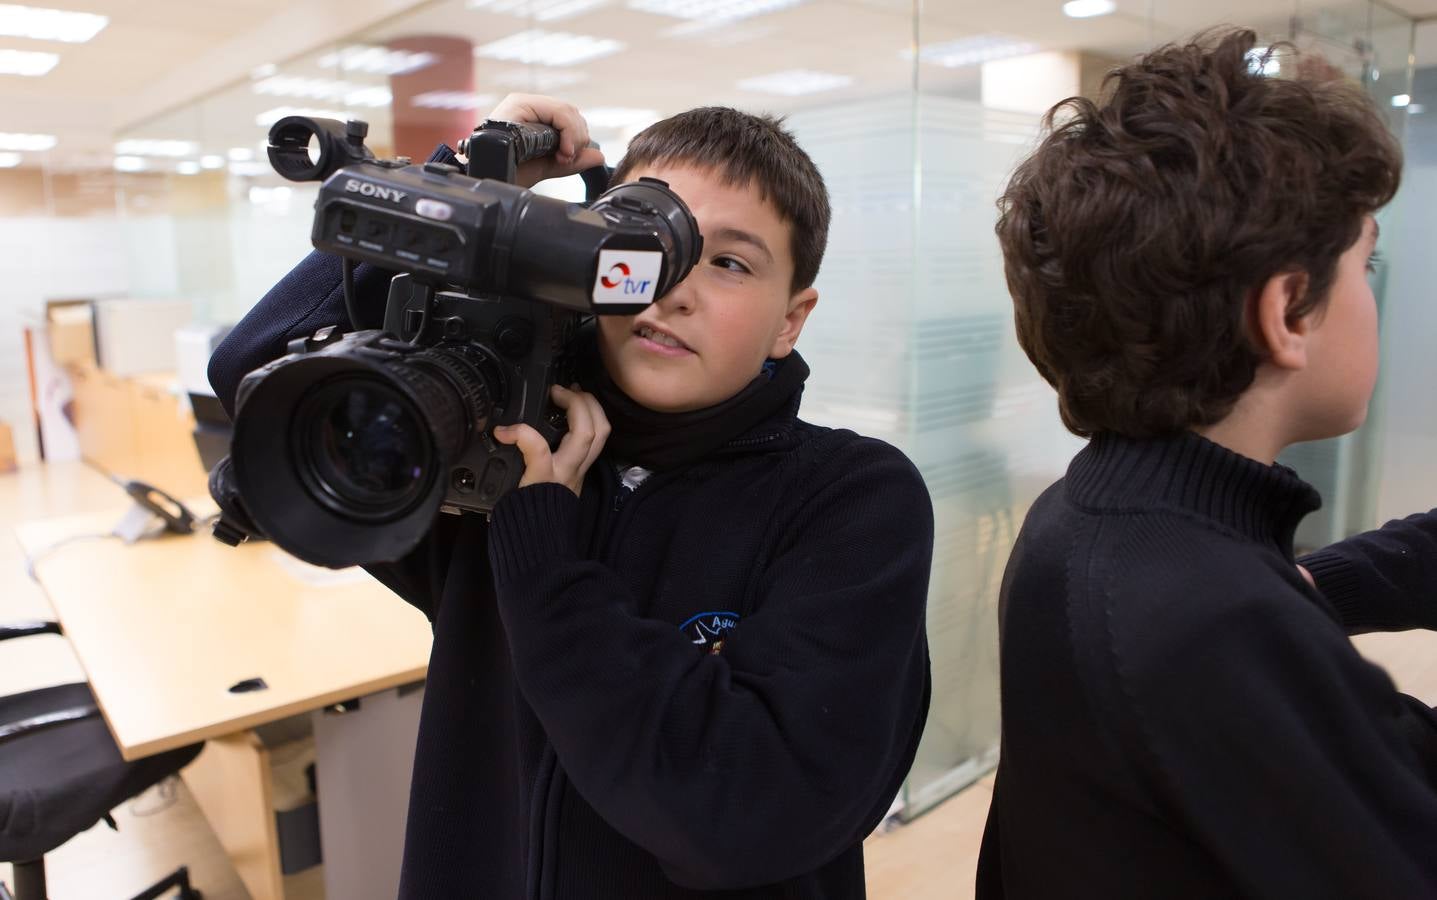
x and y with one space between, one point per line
580 446
574 154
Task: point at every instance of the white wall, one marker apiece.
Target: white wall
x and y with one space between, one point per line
54 258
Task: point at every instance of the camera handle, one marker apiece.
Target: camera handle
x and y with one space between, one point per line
496 149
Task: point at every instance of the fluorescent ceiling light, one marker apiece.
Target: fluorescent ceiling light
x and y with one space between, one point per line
146 147
1087 9
795 82
40 24
240 154
971 51
451 100
618 116
1401 100
212 161
543 81
129 164
538 10
345 92
26 62
9 160
31 142
549 48
188 167
722 10
270 116
377 60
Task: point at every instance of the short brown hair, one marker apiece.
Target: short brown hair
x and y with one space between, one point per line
1135 235
745 148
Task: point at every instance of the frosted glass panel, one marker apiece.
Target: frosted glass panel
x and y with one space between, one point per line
913 342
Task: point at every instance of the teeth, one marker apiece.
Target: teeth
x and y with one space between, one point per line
658 337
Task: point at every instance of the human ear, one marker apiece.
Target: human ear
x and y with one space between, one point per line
1282 335
799 306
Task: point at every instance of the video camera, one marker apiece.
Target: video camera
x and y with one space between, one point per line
346 449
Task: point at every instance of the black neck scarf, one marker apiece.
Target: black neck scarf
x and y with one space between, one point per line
658 440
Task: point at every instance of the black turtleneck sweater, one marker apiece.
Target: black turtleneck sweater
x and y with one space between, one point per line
1183 716
710 686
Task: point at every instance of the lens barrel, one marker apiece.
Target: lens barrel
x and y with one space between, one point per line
349 461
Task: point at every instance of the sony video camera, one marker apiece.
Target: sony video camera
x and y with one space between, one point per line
346 449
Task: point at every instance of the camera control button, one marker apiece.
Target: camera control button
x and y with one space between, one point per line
437 210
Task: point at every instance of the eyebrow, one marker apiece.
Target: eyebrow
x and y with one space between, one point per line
746 237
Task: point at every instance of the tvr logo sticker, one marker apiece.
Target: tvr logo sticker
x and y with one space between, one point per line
627 276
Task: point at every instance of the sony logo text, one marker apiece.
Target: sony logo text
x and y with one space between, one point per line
365 188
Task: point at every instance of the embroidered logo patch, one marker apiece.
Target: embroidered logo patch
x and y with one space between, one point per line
708 629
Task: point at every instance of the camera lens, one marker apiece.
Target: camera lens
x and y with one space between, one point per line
344 455
365 448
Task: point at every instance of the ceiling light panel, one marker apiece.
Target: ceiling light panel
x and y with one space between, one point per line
344 92
971 51
147 147
549 48
30 142
538 10
377 60
452 100
41 24
710 10
543 81
795 82
27 62
129 164
9 160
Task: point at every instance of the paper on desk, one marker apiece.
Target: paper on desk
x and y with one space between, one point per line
317 576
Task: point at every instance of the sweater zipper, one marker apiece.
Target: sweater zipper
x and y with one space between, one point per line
551 776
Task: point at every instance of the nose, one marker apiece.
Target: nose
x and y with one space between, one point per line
683 299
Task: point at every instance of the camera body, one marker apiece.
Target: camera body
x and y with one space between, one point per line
346 448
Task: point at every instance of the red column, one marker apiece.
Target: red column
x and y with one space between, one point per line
418 130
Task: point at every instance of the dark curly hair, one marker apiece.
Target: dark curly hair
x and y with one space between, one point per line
1135 235
745 148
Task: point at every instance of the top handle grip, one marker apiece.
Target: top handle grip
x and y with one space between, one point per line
496 149
533 141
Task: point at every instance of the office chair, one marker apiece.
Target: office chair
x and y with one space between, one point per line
61 773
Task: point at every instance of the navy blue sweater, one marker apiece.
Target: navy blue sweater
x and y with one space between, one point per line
711 686
1183 715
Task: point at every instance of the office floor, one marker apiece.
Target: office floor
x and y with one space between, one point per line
931 859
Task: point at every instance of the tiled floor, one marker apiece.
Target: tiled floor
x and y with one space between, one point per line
930 859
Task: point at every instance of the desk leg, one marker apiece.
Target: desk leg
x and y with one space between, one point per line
364 759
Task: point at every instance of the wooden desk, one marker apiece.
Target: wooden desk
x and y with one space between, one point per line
163 628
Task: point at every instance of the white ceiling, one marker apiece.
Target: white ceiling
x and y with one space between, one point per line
172 69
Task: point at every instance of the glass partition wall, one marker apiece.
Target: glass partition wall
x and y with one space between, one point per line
914 112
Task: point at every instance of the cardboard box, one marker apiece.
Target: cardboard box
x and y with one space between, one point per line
71 327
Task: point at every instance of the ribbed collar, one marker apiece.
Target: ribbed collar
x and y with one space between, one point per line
1189 472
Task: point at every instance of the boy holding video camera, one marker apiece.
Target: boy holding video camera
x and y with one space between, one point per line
688 654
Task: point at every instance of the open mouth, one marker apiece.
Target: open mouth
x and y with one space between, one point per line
662 338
